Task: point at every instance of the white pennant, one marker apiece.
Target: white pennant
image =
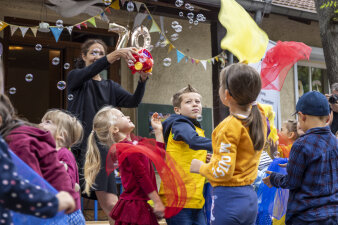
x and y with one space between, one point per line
162 23
70 29
34 30
138 5
139 19
213 60
13 29
204 63
23 30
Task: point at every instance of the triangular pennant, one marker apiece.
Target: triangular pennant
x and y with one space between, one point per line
170 47
84 24
78 26
192 60
180 56
13 29
138 5
70 29
115 5
213 61
122 2
3 25
56 32
149 17
216 58
99 16
108 10
92 21
139 19
204 63
197 61
209 61
154 28
186 59
23 30
34 30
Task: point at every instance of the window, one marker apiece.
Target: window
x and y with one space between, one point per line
311 78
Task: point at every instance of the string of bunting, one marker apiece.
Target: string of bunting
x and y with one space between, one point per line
57 30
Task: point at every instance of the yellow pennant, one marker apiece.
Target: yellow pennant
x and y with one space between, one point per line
243 38
154 27
170 47
115 5
3 25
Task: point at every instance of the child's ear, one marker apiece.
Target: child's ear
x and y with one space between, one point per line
177 110
114 130
291 135
83 56
0 120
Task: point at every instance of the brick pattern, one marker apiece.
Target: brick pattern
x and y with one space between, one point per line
304 5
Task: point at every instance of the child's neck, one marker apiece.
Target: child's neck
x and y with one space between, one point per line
121 136
236 109
313 124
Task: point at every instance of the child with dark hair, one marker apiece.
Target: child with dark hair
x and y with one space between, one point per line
185 141
312 176
237 143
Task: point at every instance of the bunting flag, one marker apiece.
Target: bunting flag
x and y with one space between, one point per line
180 56
139 19
70 29
279 60
213 60
170 47
3 25
78 26
115 5
197 61
216 58
154 28
204 63
23 30
92 21
34 30
108 10
56 32
243 37
186 59
192 60
122 2
13 29
84 24
138 5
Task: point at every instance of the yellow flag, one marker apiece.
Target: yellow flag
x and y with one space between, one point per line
115 5
3 25
243 38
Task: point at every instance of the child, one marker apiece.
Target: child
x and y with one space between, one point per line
312 167
237 143
34 146
185 141
66 131
18 195
137 174
287 136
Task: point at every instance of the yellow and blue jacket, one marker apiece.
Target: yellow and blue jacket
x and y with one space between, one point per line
186 141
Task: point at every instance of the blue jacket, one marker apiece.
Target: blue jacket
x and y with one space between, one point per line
183 129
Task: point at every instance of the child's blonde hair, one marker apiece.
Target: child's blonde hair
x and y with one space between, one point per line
103 122
291 125
67 126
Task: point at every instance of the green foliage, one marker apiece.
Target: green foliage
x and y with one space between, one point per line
329 4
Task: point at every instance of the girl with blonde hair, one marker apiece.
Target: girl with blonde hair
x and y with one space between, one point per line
66 131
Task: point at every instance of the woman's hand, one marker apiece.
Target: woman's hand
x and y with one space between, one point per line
125 53
66 202
144 76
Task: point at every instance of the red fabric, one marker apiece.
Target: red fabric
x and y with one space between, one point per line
37 149
66 156
128 212
174 187
278 61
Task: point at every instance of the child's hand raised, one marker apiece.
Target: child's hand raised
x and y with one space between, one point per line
156 122
266 180
273 147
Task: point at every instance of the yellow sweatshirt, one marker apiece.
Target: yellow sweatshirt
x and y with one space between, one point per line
234 161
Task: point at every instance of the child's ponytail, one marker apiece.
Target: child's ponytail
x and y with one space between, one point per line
92 163
256 128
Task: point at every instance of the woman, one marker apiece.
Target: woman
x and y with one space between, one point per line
87 93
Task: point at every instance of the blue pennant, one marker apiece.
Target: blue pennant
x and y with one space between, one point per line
56 32
180 56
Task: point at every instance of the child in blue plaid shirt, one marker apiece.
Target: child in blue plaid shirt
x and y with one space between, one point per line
312 168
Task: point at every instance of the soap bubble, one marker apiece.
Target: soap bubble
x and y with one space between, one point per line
196 22
59 24
190 15
276 154
174 24
12 90
70 97
66 66
199 118
38 47
191 21
107 2
130 6
56 61
167 62
29 77
181 14
179 3
174 37
61 85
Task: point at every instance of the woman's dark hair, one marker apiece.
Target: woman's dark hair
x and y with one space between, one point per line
244 85
10 120
84 50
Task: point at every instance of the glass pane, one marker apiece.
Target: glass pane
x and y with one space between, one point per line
303 80
318 79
